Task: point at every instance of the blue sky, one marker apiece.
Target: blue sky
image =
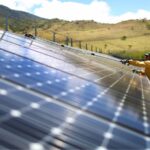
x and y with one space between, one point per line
106 11
121 6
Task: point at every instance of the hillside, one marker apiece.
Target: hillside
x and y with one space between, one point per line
125 39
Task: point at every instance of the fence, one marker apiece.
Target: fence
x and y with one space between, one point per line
9 24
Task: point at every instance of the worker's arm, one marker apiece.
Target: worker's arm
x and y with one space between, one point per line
136 63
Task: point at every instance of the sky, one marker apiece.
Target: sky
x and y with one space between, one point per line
104 11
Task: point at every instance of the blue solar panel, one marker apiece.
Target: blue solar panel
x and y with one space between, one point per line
54 98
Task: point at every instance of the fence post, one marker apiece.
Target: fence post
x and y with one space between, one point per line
96 49
86 46
54 38
67 40
99 50
91 47
80 46
71 41
35 31
6 23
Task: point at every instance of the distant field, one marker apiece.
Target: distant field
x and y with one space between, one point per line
130 39
131 47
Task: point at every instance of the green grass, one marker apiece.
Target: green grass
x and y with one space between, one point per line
134 47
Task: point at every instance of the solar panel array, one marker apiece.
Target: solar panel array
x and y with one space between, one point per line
54 98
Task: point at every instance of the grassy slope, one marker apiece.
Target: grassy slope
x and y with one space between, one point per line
108 37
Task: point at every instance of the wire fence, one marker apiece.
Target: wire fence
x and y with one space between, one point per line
14 24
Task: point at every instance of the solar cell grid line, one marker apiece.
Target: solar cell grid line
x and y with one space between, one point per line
72 69
37 50
78 87
79 111
41 51
47 51
70 91
90 60
100 58
20 37
57 51
97 77
23 43
136 90
92 72
132 111
59 130
18 70
18 114
57 96
145 88
15 96
145 115
43 64
111 63
34 50
47 98
20 45
13 139
96 80
59 79
36 72
84 63
38 62
109 134
145 118
83 75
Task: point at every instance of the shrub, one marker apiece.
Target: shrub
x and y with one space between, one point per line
124 37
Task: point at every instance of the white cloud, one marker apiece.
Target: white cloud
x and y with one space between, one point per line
97 10
73 11
24 5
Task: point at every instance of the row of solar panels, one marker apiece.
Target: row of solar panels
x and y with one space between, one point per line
53 98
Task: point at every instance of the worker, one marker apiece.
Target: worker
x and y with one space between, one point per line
144 64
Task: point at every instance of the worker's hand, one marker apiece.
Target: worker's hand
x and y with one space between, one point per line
125 61
135 71
139 72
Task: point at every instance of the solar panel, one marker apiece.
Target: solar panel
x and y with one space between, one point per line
54 98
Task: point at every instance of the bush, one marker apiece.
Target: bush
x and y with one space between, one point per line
124 37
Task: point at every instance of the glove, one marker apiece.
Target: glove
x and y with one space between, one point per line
125 61
136 71
140 72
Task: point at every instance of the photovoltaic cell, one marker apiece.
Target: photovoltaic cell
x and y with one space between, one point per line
54 98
